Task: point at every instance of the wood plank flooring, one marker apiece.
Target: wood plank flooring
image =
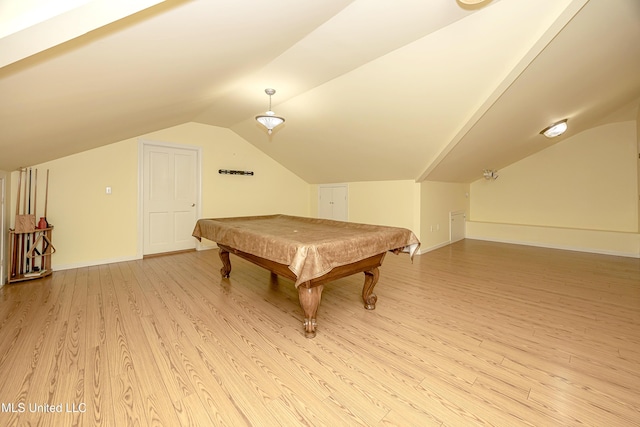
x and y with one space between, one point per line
475 333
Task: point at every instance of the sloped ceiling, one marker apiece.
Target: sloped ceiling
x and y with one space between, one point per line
370 89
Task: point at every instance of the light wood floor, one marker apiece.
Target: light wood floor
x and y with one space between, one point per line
476 333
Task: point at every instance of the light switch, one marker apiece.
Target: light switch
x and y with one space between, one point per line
108 190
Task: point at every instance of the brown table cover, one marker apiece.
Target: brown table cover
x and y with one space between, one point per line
310 247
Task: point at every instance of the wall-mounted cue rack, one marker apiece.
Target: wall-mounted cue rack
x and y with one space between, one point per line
234 172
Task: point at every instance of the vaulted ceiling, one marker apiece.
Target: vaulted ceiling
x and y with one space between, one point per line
370 89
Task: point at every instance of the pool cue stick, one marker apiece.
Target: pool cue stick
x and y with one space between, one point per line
24 212
46 198
19 191
35 212
14 266
46 201
35 194
12 250
26 258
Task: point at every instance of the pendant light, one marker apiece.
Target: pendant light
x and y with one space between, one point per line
269 119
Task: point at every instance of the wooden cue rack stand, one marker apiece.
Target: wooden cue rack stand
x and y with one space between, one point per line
34 260
30 244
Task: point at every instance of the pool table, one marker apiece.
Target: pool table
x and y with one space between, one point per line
309 251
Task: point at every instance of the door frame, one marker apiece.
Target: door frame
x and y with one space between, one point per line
3 215
142 143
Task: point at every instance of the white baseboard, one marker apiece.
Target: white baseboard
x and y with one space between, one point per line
592 241
556 246
433 248
199 247
93 263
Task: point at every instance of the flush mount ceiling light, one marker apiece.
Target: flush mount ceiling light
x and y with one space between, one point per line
490 175
471 1
555 129
269 119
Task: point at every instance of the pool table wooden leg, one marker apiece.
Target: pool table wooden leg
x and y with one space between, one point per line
226 263
370 280
309 301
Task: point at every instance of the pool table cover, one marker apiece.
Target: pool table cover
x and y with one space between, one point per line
310 247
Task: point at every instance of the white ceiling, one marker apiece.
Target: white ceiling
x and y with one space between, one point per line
370 89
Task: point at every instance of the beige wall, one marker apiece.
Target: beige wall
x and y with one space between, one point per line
588 182
89 226
92 227
392 203
273 189
581 193
437 200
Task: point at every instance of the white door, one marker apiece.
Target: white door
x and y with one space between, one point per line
170 196
332 202
457 228
2 202
325 202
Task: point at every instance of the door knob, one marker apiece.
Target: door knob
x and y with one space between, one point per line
193 205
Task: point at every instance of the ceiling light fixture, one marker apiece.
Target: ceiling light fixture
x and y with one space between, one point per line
490 175
555 129
269 119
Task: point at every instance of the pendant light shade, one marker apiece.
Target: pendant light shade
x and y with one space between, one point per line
269 119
